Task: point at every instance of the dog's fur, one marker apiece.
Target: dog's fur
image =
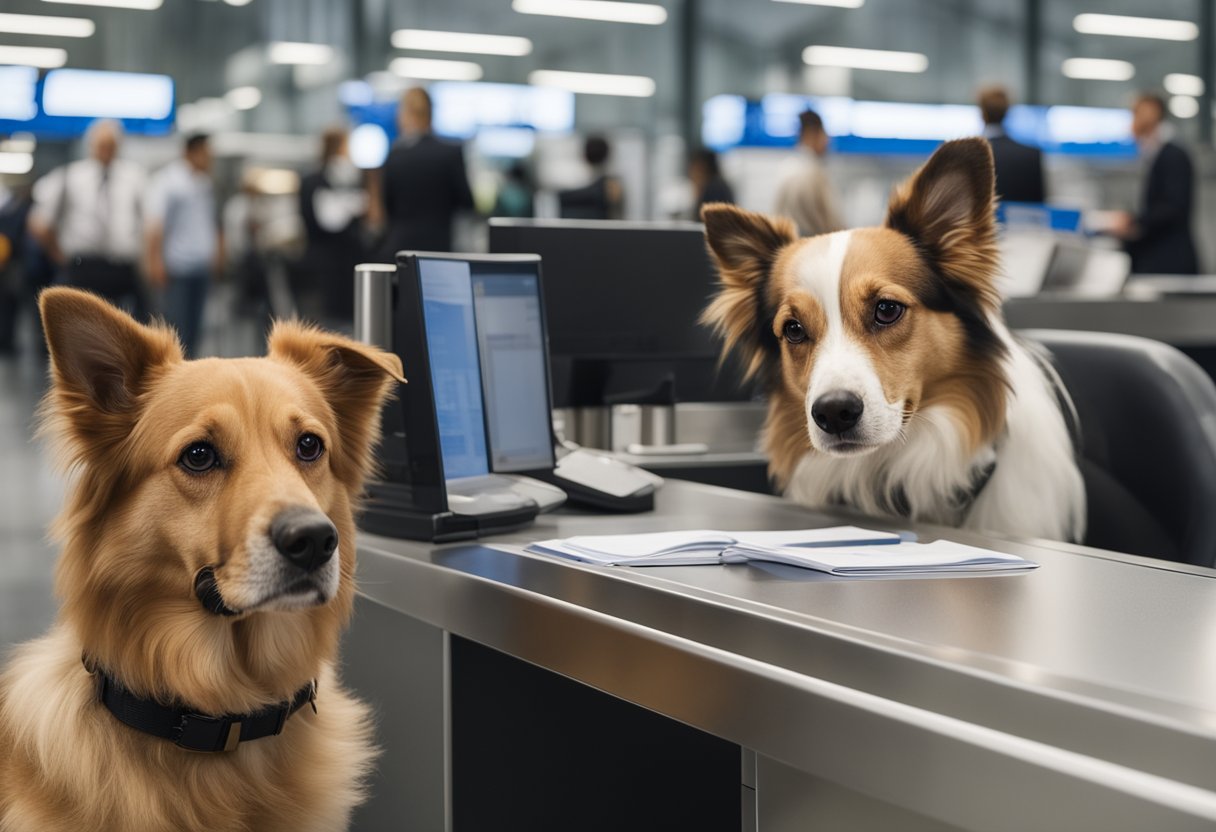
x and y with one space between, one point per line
947 391
136 529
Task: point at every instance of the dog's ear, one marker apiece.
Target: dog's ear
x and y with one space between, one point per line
101 363
744 245
947 208
354 378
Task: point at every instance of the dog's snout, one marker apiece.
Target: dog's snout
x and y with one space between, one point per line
305 537
836 411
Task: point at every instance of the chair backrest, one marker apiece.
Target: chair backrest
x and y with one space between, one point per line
1147 420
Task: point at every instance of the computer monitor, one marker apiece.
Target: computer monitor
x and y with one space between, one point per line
472 330
623 302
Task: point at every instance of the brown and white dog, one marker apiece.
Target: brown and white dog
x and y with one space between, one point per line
207 569
893 384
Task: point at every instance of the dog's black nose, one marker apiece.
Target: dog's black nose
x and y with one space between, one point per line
837 411
304 536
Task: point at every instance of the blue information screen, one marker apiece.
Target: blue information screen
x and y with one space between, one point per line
451 338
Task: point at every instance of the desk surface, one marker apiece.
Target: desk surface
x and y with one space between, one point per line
1091 681
1180 320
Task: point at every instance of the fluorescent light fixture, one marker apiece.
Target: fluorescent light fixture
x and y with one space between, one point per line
42 24
19 143
594 83
840 4
368 145
1135 27
45 57
1179 83
434 70
16 163
647 14
89 93
292 52
238 2
243 98
425 40
145 5
1098 69
18 88
879 59
1184 106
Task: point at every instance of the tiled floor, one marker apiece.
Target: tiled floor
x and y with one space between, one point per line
30 495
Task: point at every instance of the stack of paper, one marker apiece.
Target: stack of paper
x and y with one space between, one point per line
690 548
839 550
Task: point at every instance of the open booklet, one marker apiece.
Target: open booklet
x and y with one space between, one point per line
838 550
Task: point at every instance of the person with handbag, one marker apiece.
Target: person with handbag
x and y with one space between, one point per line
87 217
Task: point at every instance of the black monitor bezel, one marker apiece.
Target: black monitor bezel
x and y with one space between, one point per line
421 419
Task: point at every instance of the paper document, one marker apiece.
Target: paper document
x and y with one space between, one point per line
839 550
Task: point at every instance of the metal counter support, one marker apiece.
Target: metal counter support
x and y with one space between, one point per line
374 304
1079 696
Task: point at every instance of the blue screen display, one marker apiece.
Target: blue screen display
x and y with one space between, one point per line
451 339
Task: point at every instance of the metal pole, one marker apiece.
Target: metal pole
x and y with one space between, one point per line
374 304
1032 52
1207 68
689 56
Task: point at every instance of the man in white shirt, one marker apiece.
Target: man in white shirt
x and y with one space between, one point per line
87 217
183 238
805 195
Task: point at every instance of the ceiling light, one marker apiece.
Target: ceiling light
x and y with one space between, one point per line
45 57
291 52
594 83
1184 106
16 163
243 98
145 5
238 2
1179 83
1135 27
41 24
1098 69
430 41
433 70
879 59
614 12
19 143
840 4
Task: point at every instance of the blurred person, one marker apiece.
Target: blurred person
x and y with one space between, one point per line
1158 237
805 195
516 195
333 205
423 184
88 219
707 180
14 212
184 245
1019 167
601 199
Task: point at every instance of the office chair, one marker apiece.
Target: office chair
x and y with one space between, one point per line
1147 424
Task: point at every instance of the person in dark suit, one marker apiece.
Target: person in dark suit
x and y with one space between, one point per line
423 182
708 183
601 199
1019 167
1158 237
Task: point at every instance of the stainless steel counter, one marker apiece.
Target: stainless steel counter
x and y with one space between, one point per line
1079 696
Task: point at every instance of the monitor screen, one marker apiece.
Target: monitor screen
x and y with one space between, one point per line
623 302
451 341
511 340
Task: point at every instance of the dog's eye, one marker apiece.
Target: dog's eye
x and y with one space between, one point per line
887 312
199 457
309 447
793 332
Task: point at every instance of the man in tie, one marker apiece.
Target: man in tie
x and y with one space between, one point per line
87 218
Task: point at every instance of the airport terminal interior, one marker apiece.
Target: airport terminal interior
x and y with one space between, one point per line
793 415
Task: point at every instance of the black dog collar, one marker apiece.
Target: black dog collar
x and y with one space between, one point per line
194 731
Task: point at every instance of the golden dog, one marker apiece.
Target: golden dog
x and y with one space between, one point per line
206 575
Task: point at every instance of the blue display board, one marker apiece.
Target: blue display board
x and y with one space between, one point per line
62 103
883 128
